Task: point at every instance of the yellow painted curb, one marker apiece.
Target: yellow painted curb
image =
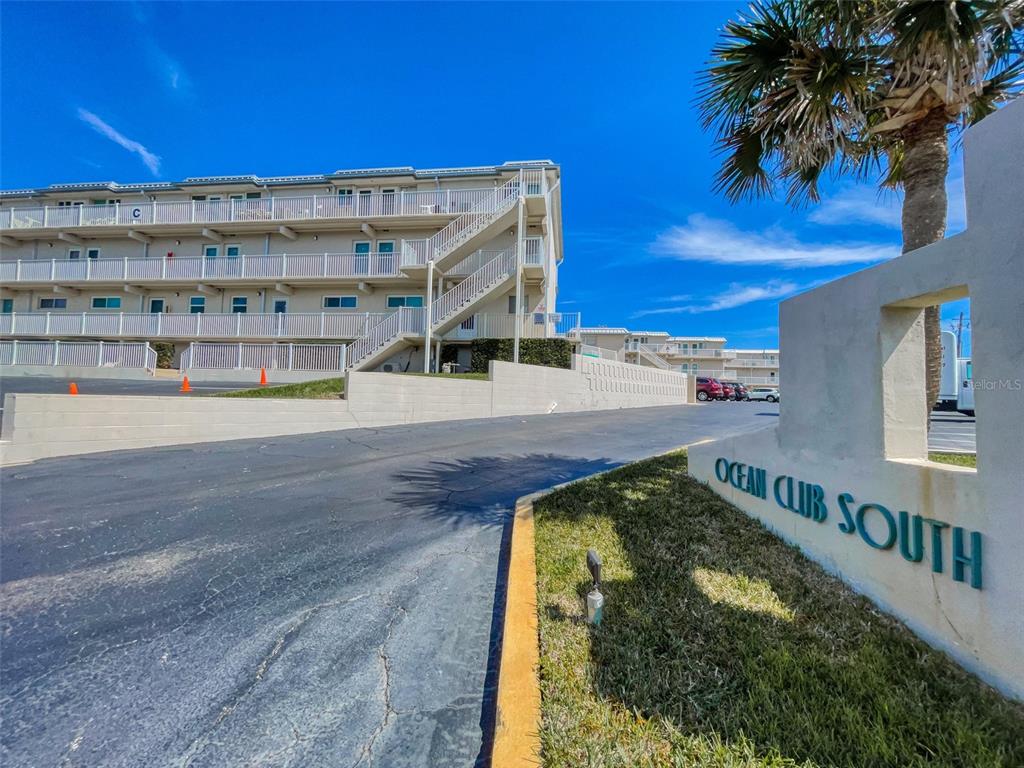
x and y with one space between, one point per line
517 721
518 718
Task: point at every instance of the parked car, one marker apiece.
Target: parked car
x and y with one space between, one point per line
728 393
739 391
708 389
771 394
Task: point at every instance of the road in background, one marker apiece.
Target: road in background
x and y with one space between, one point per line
952 432
330 599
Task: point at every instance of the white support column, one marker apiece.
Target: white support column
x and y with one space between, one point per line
517 331
56 351
428 316
99 356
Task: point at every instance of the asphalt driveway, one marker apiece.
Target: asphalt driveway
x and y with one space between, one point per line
328 599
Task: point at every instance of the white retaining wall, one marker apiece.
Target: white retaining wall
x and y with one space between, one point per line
39 426
73 372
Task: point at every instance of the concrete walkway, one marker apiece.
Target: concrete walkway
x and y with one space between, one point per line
314 600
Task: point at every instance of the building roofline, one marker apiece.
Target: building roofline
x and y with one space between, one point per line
602 330
282 181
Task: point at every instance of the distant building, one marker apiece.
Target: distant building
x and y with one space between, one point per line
697 355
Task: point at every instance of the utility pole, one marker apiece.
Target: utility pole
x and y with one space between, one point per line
959 334
426 315
519 274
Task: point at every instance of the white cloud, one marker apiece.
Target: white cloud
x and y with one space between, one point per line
736 295
720 242
169 68
864 204
151 160
858 204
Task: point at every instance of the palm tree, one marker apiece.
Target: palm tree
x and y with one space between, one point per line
801 89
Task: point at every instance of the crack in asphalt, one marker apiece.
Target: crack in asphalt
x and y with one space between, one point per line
280 644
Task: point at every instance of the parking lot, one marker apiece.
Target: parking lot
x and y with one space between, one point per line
328 599
45 385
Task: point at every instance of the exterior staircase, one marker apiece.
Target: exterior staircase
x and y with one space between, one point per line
386 338
457 304
463 235
653 357
468 232
405 325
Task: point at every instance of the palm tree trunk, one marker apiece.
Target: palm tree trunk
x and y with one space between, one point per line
925 165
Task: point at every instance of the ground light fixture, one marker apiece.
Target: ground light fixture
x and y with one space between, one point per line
595 600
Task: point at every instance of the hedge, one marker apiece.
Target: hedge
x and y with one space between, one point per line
553 353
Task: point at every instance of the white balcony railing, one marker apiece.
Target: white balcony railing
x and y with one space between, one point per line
84 354
321 325
535 325
474 220
739 362
279 266
281 357
446 202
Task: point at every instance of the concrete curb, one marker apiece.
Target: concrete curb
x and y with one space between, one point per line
518 717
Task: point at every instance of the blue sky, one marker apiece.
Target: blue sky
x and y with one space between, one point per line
134 92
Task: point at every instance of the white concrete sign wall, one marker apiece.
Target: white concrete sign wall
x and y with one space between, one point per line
39 426
845 475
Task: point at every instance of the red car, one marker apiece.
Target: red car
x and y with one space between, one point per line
728 391
709 389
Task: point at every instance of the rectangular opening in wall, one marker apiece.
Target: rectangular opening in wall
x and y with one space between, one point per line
951 434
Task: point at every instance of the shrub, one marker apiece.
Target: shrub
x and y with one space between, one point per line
553 353
164 353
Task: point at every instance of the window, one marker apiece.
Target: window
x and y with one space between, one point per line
198 198
74 253
156 306
105 202
68 203
197 305
239 305
8 306
345 193
361 247
106 302
53 303
280 306
253 195
92 253
394 302
211 251
340 302
232 251
385 246
512 303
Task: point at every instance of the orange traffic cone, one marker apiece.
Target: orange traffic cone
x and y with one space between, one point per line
263 377
72 388
185 387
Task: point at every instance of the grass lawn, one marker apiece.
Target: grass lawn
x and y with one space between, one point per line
960 459
322 389
723 646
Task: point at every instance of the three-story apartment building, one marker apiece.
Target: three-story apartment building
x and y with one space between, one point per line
391 261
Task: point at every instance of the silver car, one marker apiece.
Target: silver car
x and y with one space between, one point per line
770 394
